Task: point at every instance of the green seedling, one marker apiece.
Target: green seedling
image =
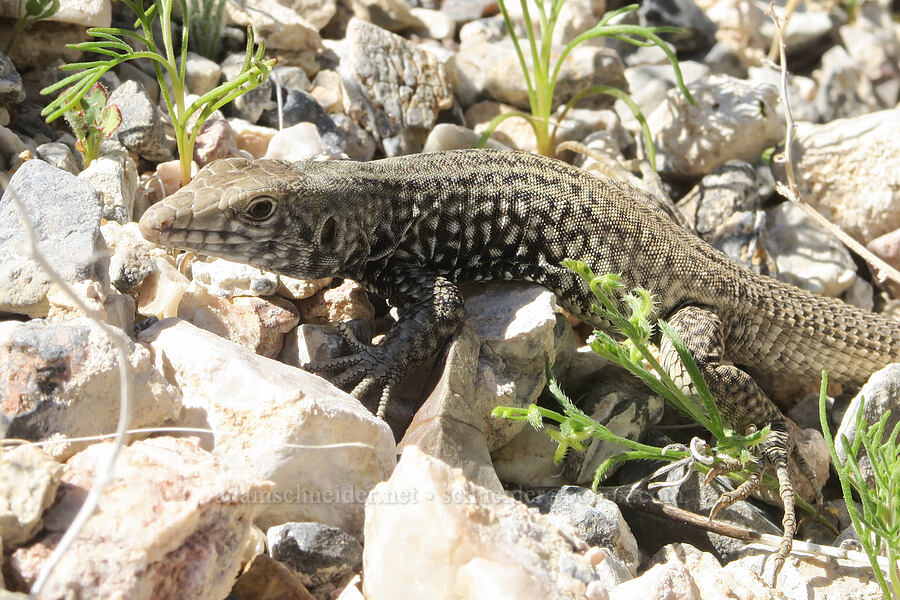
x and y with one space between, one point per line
92 120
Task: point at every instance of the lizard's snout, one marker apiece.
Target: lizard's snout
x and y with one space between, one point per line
157 221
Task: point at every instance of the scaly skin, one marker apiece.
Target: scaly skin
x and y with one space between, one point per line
411 228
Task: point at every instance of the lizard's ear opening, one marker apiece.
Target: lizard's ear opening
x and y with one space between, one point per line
327 233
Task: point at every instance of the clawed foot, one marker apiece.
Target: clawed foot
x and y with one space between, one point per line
366 369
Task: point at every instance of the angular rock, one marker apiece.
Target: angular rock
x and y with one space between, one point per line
299 106
480 543
65 214
62 380
267 579
252 138
596 520
90 13
201 74
840 84
227 279
392 15
879 394
133 258
343 303
11 90
142 129
280 26
257 324
60 156
483 67
395 89
28 482
321 448
849 171
807 255
731 119
216 140
164 528
317 553
114 176
682 571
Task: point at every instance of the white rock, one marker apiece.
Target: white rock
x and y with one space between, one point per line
172 523
114 176
731 119
298 142
90 13
321 447
28 482
685 573
437 25
161 292
849 170
227 279
807 255
114 309
447 136
201 74
61 380
281 27
449 538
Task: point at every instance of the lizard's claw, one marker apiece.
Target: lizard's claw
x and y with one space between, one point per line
361 372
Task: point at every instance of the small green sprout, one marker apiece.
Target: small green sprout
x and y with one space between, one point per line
92 120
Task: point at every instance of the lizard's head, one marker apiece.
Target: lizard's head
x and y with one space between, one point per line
267 213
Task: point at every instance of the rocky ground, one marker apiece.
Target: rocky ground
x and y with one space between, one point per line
286 487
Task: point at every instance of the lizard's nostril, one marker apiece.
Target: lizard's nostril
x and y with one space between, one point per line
157 221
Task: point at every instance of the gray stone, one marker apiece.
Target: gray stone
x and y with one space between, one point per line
394 89
114 176
201 74
142 129
299 106
624 405
699 33
595 519
360 145
726 210
873 42
318 553
807 255
65 213
132 259
60 156
11 90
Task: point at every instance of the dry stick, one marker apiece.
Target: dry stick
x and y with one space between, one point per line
776 41
791 191
105 469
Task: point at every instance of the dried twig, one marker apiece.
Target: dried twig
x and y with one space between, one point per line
881 270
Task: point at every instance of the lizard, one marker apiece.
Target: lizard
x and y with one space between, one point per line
410 228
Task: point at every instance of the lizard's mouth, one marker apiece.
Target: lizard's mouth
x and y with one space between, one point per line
160 225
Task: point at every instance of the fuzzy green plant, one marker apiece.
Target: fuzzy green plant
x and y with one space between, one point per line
206 26
575 427
29 14
92 120
542 77
878 525
112 43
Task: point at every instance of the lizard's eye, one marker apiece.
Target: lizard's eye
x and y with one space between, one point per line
260 208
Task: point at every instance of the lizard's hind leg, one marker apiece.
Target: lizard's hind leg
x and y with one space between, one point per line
741 403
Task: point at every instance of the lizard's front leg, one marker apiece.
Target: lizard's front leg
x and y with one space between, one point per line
741 403
431 307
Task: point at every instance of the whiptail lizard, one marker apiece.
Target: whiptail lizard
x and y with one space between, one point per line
410 228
